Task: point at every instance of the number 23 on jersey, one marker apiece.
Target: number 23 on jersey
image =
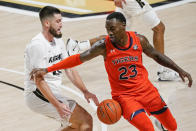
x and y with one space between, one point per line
124 75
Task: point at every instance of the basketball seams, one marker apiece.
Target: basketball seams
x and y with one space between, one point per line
115 109
107 112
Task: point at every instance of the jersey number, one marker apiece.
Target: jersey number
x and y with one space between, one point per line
141 3
123 75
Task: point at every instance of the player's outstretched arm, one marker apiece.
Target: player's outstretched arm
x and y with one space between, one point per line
97 49
163 59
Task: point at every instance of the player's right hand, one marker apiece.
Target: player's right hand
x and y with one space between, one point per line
184 74
38 72
119 3
88 95
63 110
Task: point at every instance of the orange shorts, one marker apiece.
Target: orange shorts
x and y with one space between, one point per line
148 99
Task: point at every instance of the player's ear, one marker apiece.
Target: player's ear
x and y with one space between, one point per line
124 24
46 23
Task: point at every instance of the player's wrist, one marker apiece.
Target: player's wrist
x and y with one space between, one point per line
84 91
46 70
56 104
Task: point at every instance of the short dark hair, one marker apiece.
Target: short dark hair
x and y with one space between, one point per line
119 16
48 11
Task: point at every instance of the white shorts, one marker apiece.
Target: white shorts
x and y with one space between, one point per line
38 105
132 10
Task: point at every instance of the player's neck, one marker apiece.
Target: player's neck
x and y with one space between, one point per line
123 40
48 36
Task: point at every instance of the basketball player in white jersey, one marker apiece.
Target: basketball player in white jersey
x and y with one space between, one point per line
43 94
140 10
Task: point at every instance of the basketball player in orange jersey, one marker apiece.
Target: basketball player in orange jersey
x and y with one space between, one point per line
136 10
122 53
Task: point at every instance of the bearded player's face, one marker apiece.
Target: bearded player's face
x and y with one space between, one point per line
56 25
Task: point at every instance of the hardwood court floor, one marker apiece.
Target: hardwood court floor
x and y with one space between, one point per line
17 30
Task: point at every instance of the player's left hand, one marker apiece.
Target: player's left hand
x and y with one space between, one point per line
92 96
184 74
119 3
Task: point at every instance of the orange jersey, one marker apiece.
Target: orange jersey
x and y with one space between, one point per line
124 66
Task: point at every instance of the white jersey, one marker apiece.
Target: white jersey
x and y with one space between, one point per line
40 53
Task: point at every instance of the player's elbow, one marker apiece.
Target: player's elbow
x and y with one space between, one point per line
155 55
38 78
160 28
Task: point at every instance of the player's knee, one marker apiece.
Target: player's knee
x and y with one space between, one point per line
160 28
85 127
38 77
172 126
87 124
142 122
88 120
147 127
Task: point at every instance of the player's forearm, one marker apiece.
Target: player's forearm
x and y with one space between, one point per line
76 79
45 90
166 61
97 49
69 62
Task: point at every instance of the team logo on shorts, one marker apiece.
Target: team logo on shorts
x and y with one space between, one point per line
135 47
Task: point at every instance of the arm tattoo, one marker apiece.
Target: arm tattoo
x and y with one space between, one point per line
98 48
156 55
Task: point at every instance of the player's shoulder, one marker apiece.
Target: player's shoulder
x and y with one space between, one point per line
140 36
36 42
37 37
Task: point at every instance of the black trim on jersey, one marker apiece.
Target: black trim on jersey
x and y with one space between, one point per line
40 95
159 111
136 113
130 44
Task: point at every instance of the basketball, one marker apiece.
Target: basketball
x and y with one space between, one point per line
109 111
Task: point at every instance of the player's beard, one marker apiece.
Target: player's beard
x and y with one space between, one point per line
54 33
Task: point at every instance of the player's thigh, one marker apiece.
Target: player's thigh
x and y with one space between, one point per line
135 114
129 106
153 103
80 116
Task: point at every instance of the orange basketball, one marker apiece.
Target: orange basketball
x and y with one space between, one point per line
109 111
